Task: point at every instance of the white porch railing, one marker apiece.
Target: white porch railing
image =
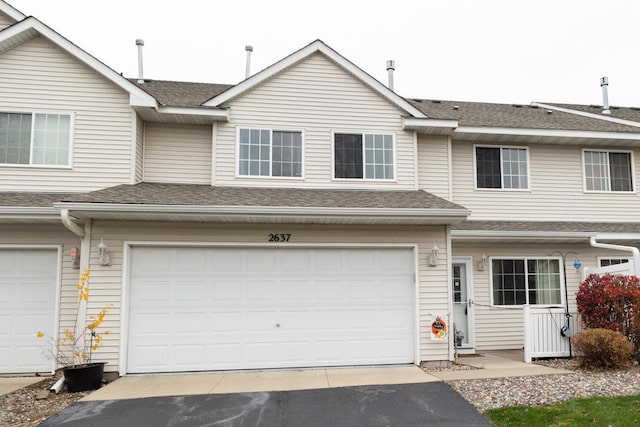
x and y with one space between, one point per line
542 332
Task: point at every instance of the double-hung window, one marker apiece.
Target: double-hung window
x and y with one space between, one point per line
264 152
502 167
526 281
35 139
363 156
607 171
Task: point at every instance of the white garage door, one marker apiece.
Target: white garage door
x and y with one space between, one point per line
27 302
195 309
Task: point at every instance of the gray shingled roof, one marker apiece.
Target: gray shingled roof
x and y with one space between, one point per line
534 226
181 94
31 200
480 114
625 113
205 195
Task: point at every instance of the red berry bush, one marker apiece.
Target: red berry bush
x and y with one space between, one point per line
612 302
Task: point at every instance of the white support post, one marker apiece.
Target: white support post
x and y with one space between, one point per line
527 333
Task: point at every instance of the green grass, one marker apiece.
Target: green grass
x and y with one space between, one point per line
598 411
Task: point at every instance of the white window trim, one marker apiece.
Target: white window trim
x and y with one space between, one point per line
69 164
363 179
271 130
606 150
500 147
525 258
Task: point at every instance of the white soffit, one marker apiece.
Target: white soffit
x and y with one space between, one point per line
11 11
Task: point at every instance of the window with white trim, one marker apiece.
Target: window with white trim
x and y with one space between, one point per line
605 262
502 167
35 139
264 152
526 281
607 171
363 156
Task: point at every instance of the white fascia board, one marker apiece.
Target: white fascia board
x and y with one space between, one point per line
516 235
416 123
310 49
138 97
262 210
548 133
11 11
617 236
585 114
203 112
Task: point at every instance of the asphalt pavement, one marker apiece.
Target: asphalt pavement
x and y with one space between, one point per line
420 404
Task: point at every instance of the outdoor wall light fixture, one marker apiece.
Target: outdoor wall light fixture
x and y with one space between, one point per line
104 258
433 258
483 263
75 257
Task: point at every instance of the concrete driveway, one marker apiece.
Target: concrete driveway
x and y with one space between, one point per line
418 404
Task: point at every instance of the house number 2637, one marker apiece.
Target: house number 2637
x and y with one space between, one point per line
279 238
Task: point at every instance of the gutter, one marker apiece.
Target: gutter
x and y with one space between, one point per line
517 235
634 251
67 222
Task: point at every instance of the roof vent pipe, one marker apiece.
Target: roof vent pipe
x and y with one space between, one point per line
604 83
391 67
140 43
247 72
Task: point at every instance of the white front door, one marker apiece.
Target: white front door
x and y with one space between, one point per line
197 309
28 280
462 302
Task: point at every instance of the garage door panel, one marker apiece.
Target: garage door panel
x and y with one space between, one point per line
28 279
333 307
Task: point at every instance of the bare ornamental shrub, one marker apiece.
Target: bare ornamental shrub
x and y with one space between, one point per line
602 348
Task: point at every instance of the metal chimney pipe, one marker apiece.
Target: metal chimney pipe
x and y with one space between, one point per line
140 43
391 66
247 72
604 83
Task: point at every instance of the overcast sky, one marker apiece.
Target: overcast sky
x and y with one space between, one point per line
466 50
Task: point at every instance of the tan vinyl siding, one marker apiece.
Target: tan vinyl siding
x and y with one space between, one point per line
499 328
38 76
5 21
556 189
316 97
177 153
433 165
139 173
106 282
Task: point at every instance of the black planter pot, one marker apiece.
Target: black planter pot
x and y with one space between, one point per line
83 378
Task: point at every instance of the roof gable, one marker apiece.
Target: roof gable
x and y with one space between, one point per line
305 52
30 28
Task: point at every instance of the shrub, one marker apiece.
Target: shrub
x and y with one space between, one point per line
603 348
612 302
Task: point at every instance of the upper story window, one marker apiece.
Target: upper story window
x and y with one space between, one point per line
607 171
606 262
502 167
35 139
363 156
264 152
526 281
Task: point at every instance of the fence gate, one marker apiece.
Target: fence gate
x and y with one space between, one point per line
542 332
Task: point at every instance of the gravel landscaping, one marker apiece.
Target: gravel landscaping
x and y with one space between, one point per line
21 408
547 389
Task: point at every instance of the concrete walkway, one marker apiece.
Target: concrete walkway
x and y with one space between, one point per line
11 384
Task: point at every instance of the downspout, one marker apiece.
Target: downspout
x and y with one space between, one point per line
634 251
66 220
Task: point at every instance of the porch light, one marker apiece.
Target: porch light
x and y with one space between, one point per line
483 263
433 258
104 258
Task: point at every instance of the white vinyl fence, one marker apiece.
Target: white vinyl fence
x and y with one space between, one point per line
543 332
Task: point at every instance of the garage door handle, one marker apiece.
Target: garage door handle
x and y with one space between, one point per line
277 325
